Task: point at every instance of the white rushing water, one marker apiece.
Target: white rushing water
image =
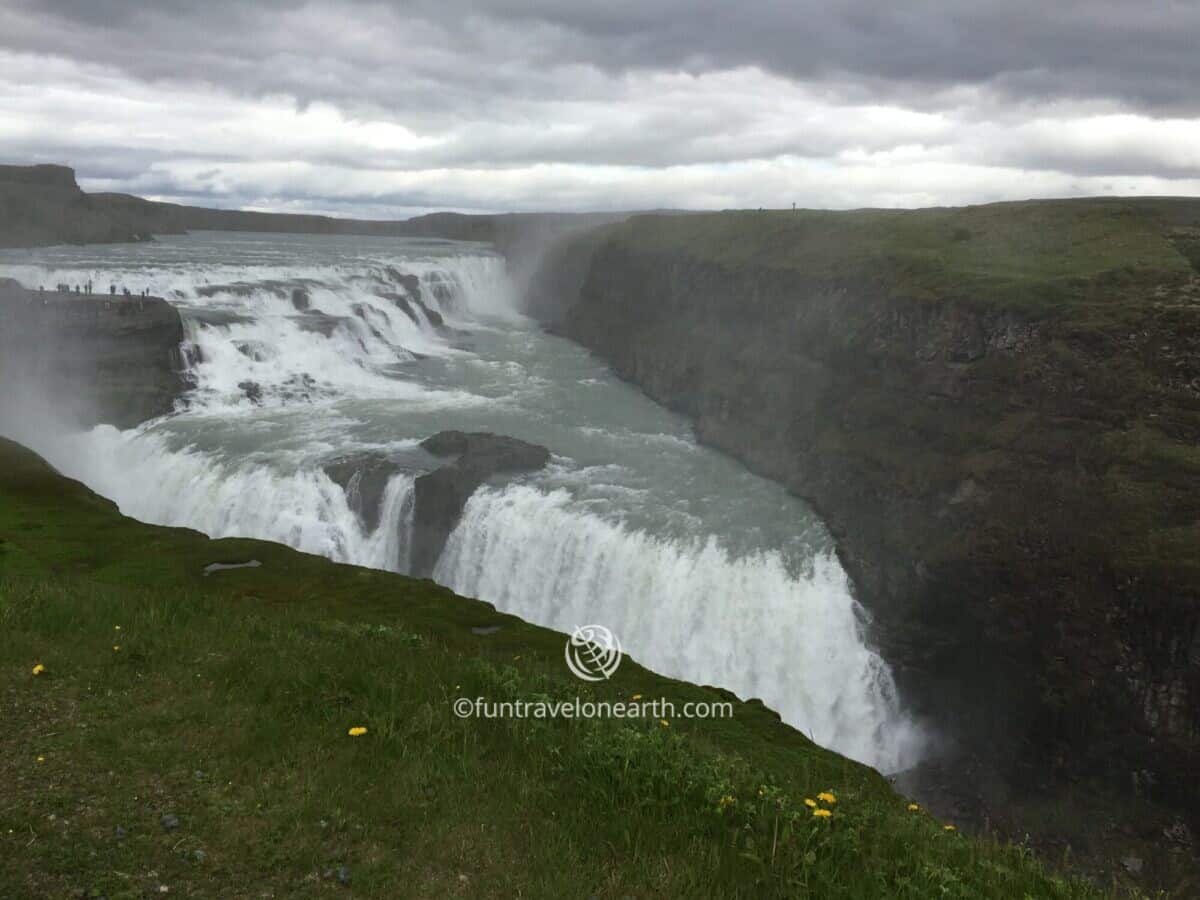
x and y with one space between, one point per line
705 571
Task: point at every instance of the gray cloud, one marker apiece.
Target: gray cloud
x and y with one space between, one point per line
1139 54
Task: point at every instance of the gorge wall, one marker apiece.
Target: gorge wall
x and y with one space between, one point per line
997 412
79 360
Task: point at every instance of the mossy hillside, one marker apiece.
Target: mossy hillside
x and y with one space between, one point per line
1035 256
225 701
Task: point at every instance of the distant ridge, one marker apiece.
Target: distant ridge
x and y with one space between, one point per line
43 205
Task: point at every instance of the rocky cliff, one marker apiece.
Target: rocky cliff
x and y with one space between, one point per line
42 205
997 411
84 359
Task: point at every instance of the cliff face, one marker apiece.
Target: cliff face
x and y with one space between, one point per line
42 205
1007 454
88 359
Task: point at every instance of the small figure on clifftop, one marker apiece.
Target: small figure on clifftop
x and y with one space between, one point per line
112 290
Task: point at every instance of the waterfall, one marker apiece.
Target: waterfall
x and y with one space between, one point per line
688 610
298 362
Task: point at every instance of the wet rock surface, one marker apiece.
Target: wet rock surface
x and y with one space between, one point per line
364 477
90 358
441 495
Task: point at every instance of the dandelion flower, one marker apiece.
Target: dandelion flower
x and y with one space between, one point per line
116 648
912 807
636 697
116 628
39 669
827 797
664 723
41 759
949 828
357 731
810 803
822 813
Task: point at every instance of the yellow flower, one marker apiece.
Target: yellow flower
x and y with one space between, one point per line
116 648
636 697
39 669
827 797
116 628
949 828
357 731
810 803
664 723
822 813
725 801
912 807
41 759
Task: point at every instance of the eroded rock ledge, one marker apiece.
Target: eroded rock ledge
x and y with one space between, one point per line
88 359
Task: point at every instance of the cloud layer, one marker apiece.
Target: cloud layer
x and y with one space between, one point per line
386 109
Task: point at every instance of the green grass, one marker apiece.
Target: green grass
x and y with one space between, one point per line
1039 256
228 703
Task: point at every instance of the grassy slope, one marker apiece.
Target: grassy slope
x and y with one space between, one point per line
228 703
1037 255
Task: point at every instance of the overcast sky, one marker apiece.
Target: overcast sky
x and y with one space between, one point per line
385 109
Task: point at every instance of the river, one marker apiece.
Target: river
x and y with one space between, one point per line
308 349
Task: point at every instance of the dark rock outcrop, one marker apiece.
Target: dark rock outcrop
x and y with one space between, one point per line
414 308
89 359
42 205
252 390
441 495
411 283
364 478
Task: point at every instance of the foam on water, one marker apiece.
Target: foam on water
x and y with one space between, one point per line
689 610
